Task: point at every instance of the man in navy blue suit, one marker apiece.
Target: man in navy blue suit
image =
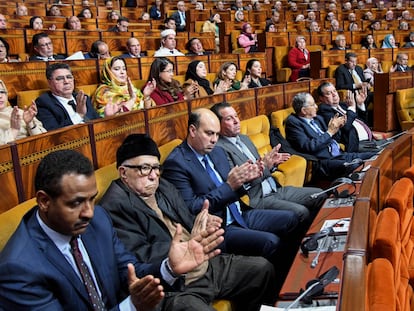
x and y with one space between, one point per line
61 106
308 133
200 171
39 264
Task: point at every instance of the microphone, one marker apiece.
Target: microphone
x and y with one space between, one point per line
391 139
354 162
345 182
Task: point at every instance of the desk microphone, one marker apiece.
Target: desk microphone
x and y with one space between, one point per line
344 181
391 139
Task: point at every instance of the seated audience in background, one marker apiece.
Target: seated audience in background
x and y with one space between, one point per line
43 48
54 10
389 15
368 42
109 4
373 66
265 191
197 73
169 23
410 44
239 16
73 23
388 42
275 17
238 5
121 25
62 106
167 89
114 15
375 25
220 6
299 59
157 209
226 78
199 6
179 16
340 43
401 63
270 27
405 16
4 52
78 234
36 23
168 44
21 10
155 10
134 49
211 25
16 123
368 16
404 26
145 16
85 13
355 133
254 70
99 50
116 93
314 27
335 26
308 133
353 27
299 18
248 39
195 47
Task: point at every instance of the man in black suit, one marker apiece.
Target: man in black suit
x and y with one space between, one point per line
61 106
350 76
401 63
43 48
179 16
134 49
308 133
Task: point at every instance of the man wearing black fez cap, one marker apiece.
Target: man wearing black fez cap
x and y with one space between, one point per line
146 211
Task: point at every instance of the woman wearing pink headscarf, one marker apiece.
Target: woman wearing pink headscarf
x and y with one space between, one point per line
247 39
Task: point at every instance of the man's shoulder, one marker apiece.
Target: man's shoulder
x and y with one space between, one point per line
177 154
45 98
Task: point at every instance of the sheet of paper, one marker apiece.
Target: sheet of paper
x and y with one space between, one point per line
326 308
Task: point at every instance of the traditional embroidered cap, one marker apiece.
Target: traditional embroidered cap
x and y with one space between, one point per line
136 145
167 32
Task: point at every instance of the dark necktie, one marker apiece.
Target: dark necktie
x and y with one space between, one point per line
94 297
333 146
72 104
172 52
232 206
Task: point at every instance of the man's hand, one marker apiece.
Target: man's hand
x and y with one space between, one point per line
146 293
29 113
204 220
81 100
335 124
243 173
186 256
274 157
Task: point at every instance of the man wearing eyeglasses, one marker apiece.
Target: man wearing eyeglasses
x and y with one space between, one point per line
146 210
43 48
61 106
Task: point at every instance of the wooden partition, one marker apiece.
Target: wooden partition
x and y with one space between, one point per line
80 40
11 195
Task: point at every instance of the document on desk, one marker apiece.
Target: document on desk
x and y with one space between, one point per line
325 308
338 225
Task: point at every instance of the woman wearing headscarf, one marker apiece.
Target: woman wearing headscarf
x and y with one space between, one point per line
117 94
16 123
247 39
389 42
211 25
197 73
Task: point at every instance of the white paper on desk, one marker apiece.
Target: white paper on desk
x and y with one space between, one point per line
76 56
325 308
338 225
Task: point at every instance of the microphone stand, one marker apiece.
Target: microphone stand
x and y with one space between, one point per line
302 295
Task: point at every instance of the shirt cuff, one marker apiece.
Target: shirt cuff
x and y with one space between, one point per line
166 273
127 305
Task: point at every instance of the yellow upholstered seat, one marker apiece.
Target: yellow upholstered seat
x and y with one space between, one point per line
404 103
289 173
283 72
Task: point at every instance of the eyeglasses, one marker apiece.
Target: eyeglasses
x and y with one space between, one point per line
61 78
145 169
169 71
46 44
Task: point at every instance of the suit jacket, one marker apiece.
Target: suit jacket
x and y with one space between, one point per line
304 138
401 68
296 59
344 80
189 176
177 18
39 58
263 82
53 115
349 135
35 275
138 226
236 157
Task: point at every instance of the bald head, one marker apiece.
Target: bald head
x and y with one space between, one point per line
203 130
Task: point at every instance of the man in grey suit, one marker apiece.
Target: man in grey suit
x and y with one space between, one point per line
264 192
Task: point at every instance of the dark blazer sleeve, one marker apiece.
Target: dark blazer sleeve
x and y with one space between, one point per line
186 173
304 139
91 113
51 113
343 77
